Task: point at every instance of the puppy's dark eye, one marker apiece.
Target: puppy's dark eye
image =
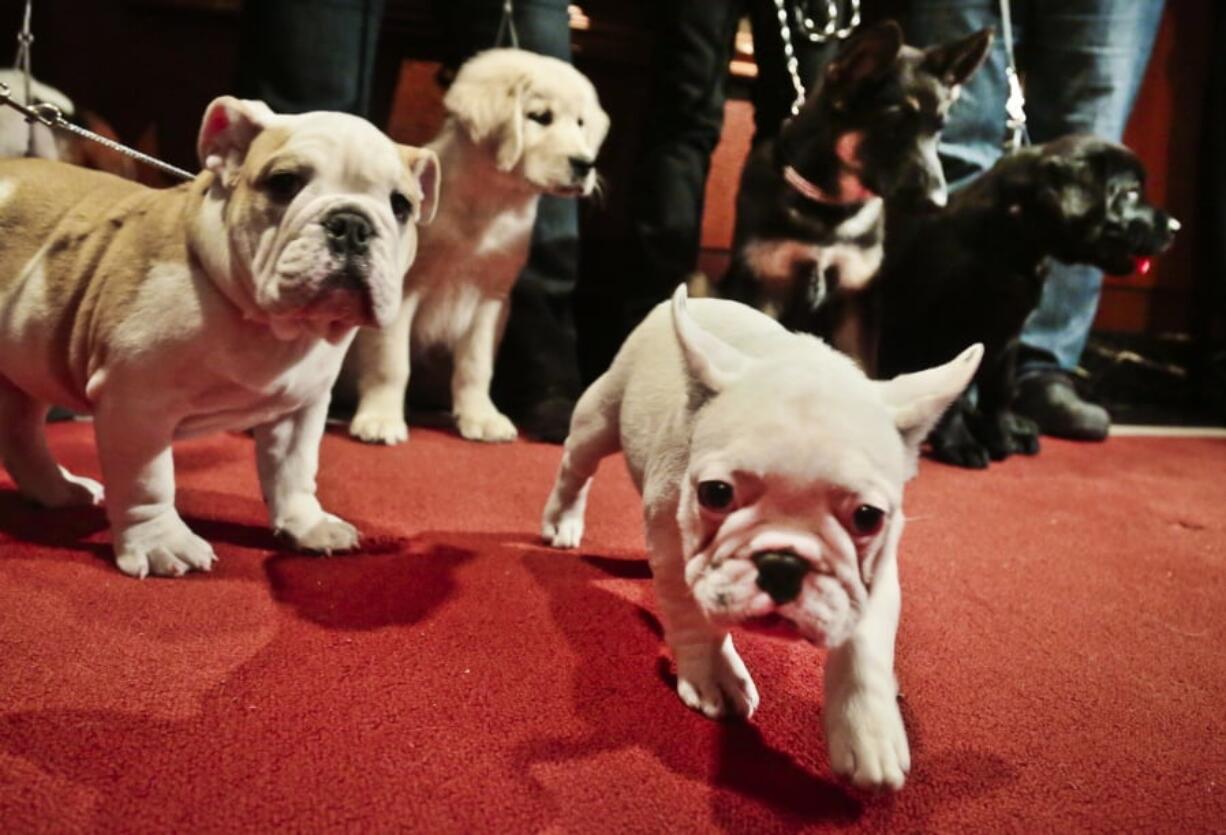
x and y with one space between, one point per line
283 186
867 520
542 117
715 495
402 206
580 120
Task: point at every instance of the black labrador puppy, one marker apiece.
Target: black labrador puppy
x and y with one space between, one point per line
973 272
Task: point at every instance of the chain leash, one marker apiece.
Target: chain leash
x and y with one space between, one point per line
813 34
50 115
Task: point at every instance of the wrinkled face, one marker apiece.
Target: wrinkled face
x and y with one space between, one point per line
321 209
540 117
793 527
882 106
1095 193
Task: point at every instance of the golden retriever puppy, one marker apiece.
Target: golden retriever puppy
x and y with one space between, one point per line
518 125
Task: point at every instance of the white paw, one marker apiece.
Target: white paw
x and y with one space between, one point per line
867 740
562 527
163 546
713 681
72 491
486 424
327 534
379 428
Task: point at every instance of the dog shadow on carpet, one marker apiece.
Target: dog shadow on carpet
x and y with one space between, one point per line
390 582
625 706
219 518
84 529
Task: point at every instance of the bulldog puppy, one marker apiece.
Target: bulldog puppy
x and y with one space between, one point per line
772 474
225 303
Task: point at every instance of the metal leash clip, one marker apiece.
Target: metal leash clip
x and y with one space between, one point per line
1015 112
50 115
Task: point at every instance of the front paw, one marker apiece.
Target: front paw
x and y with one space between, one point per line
961 452
867 740
713 680
485 424
1005 433
375 427
163 546
326 534
562 527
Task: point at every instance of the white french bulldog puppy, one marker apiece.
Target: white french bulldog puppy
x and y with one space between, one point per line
225 303
772 475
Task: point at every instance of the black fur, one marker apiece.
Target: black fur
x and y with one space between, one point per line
892 100
974 271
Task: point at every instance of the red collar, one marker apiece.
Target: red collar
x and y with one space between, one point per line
851 189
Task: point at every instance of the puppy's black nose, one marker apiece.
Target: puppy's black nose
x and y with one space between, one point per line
349 232
581 166
780 574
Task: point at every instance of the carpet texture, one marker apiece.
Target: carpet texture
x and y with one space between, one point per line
1060 658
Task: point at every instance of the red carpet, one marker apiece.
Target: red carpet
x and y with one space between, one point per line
1061 659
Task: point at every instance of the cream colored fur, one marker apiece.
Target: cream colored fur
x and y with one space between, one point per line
205 307
718 392
497 158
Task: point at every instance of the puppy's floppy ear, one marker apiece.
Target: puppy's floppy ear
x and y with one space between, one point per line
229 127
491 109
711 362
955 62
1067 186
596 125
865 57
918 400
423 165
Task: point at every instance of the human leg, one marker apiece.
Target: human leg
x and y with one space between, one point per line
300 55
1085 63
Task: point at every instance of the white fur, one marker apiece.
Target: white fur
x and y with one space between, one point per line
804 438
497 161
243 332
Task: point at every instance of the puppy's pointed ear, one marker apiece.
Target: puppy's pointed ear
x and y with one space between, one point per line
867 56
918 400
423 166
711 362
955 62
229 127
490 109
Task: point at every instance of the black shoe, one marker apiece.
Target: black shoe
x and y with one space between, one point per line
1050 400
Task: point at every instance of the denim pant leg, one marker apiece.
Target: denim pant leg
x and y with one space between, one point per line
299 55
1085 60
972 140
690 65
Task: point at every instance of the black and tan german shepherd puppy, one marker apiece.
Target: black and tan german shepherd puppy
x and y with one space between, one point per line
809 226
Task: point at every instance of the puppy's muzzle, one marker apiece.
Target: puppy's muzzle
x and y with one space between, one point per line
580 167
780 574
349 233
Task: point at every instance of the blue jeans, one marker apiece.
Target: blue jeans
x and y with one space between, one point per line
1083 61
